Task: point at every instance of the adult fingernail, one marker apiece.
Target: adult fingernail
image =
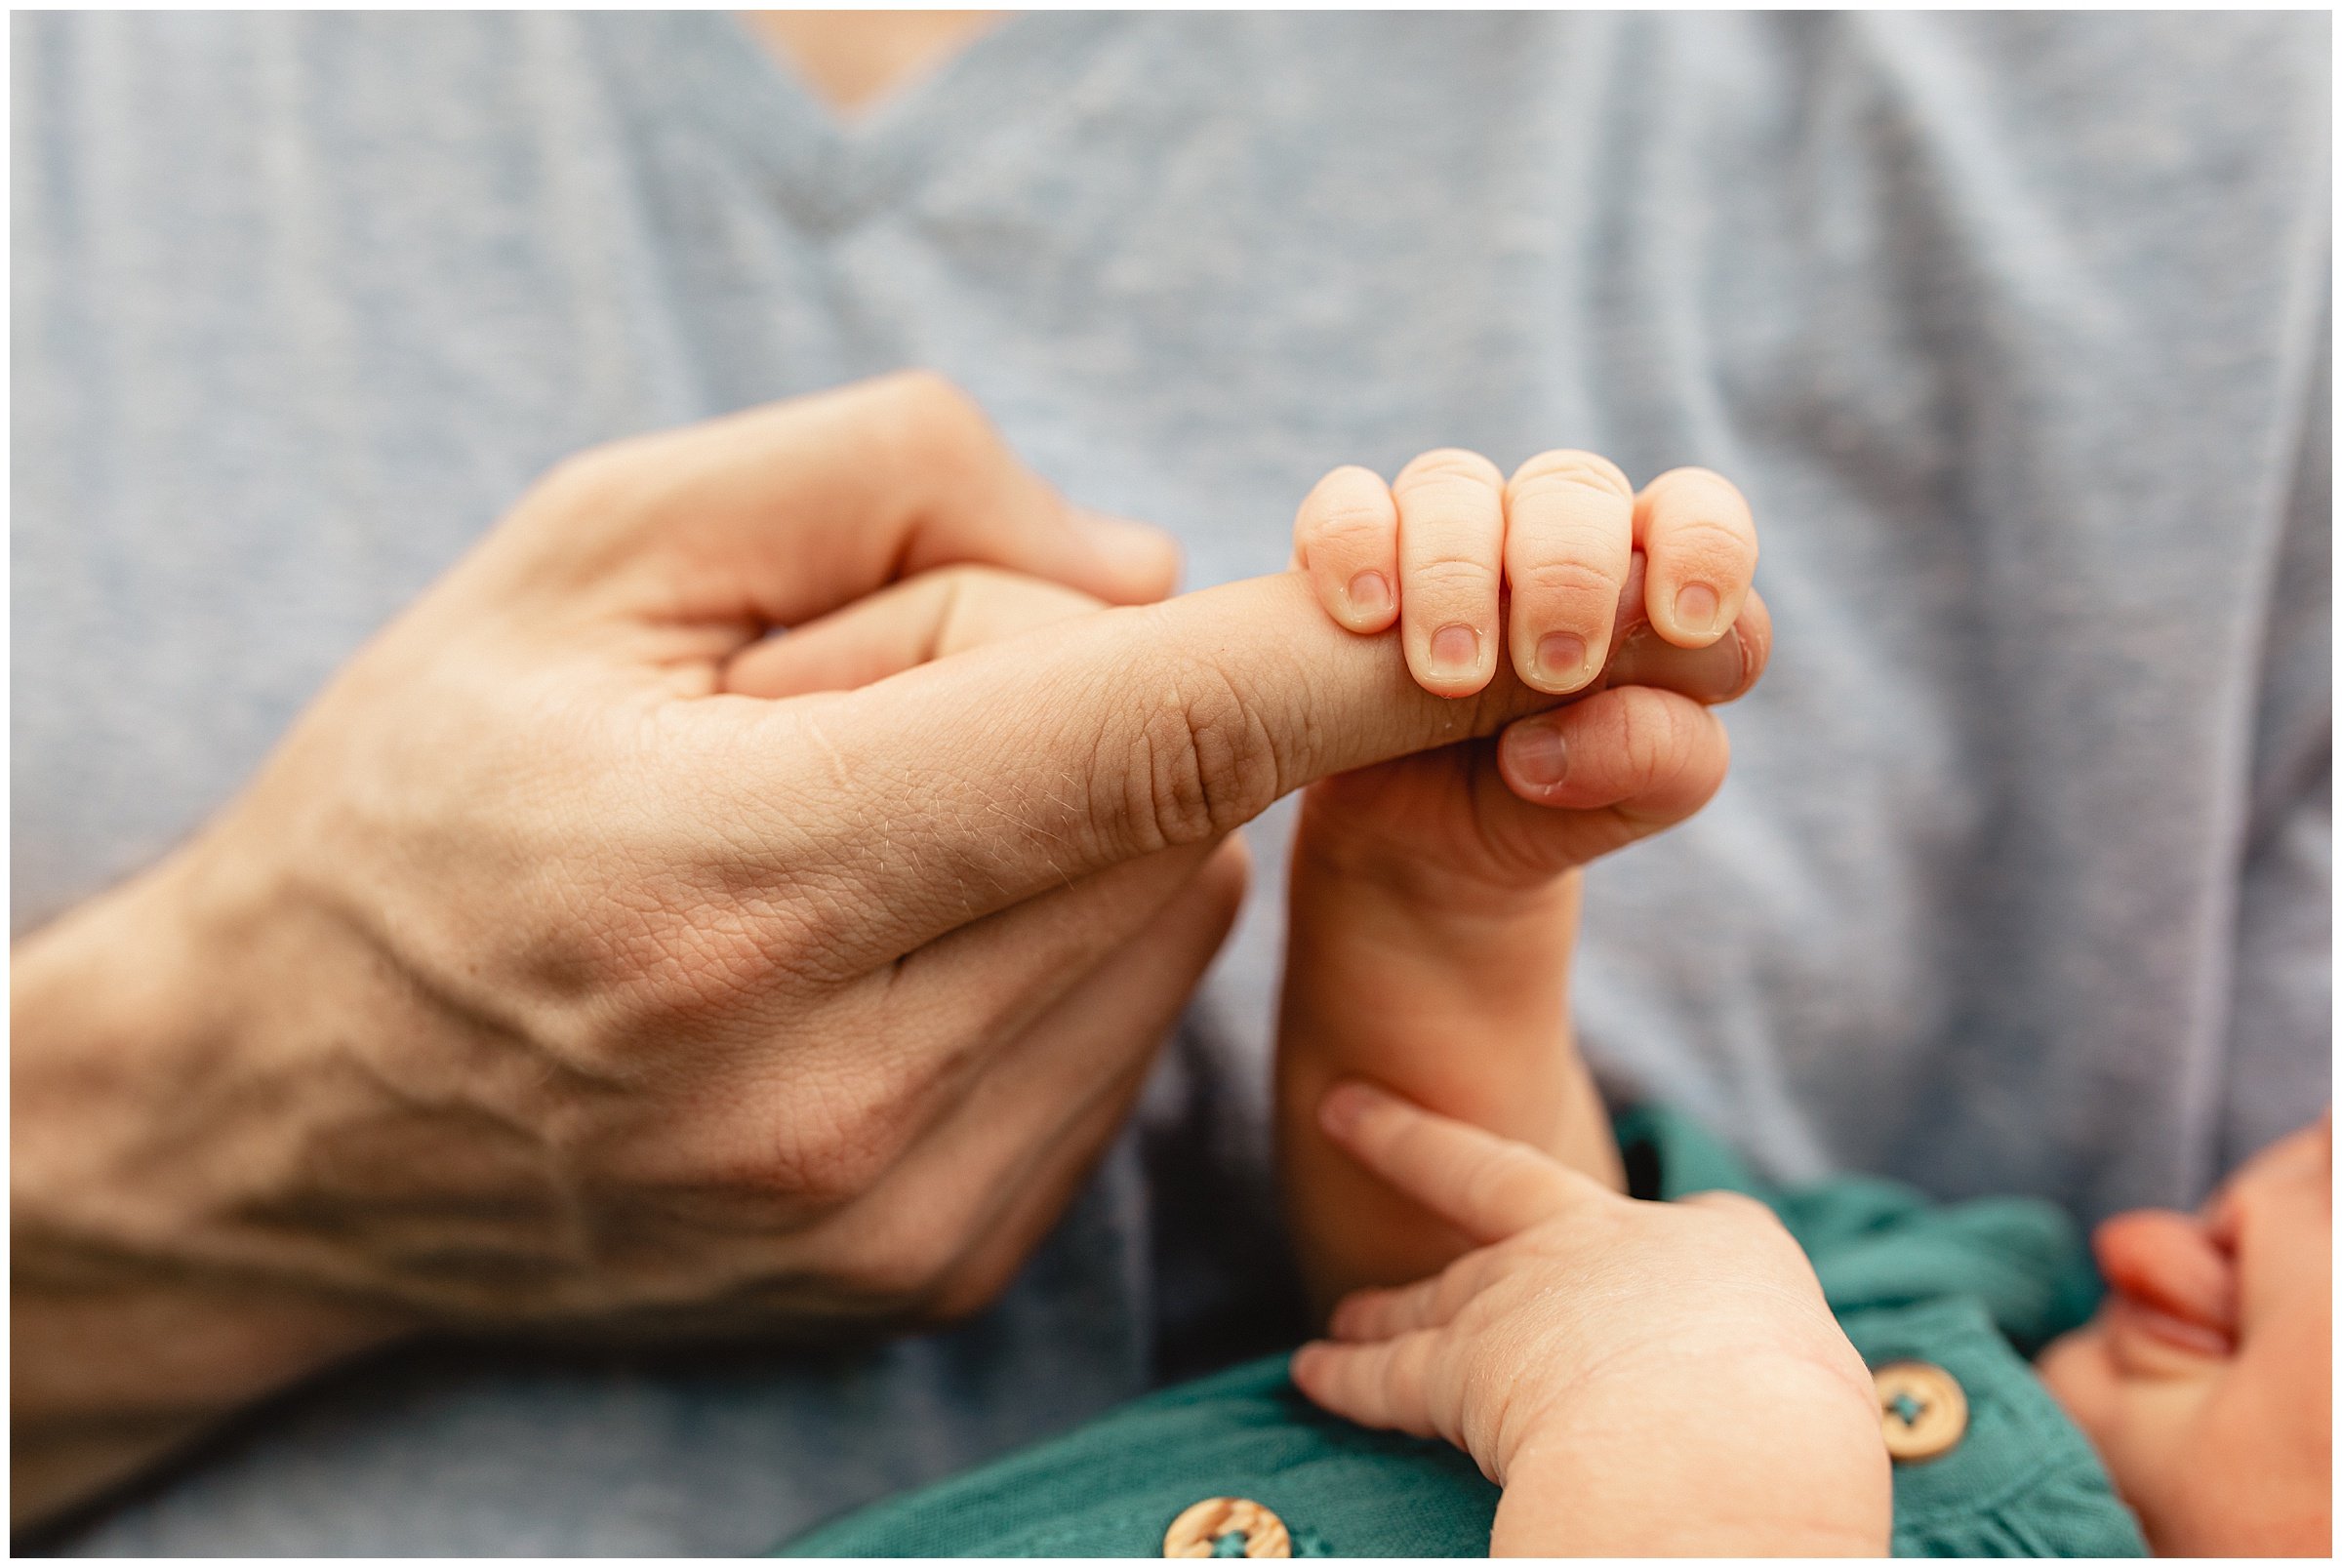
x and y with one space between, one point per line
1369 594
1561 659
1455 650
1716 673
1696 605
1539 757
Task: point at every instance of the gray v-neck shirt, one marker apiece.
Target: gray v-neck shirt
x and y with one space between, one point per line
2014 328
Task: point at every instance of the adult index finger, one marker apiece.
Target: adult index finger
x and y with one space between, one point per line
929 799
783 512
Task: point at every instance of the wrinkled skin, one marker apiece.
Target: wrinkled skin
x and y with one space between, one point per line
585 961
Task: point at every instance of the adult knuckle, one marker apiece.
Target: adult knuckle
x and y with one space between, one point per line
698 959
924 393
673 949
1194 764
1654 739
612 479
962 1290
797 1156
680 957
909 1246
902 1259
938 421
833 1147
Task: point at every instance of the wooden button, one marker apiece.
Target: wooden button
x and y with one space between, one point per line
1197 1532
1921 1410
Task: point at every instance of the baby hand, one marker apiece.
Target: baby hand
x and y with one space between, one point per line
1638 607
1437 550
1638 1377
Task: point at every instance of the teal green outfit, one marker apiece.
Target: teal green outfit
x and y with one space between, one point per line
1972 1288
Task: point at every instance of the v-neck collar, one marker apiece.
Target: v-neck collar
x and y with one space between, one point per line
708 70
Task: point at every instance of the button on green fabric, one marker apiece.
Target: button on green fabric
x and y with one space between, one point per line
1227 1527
1921 1410
1968 1290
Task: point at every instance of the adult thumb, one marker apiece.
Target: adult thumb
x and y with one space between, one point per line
783 513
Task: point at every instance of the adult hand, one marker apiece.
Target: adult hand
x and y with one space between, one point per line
558 971
363 1054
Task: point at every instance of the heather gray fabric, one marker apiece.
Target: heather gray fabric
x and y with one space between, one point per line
2013 328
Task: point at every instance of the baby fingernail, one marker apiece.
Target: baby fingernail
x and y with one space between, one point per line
1561 659
1455 650
1540 757
1369 593
1695 609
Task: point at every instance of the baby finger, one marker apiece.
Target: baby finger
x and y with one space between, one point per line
1696 530
1346 537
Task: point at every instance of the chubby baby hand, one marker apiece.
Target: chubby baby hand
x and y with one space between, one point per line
1638 1377
1634 608
1440 551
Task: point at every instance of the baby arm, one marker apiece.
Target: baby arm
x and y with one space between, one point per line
1434 899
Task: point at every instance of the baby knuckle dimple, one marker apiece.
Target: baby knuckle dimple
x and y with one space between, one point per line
1567 469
